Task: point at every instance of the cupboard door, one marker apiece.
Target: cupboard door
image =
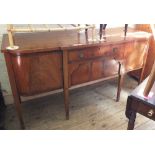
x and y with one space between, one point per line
135 54
79 73
104 68
38 73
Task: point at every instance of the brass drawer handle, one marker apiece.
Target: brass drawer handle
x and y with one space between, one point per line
81 55
150 113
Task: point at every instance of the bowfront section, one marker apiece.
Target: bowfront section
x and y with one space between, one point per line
135 54
38 73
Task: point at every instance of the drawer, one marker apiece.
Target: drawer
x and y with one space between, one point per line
90 53
146 110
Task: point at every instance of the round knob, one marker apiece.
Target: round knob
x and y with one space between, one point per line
150 113
81 55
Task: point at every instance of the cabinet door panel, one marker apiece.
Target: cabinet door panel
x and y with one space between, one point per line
79 73
38 73
135 54
104 68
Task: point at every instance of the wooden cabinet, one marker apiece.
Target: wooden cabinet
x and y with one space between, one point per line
62 61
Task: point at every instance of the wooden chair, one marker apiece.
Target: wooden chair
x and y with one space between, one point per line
142 99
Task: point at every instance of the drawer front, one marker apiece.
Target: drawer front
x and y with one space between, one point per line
146 110
110 51
89 53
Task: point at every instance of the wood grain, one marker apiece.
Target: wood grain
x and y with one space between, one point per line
50 61
38 73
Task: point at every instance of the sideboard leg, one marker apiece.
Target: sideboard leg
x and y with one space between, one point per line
66 83
131 122
142 75
16 95
120 83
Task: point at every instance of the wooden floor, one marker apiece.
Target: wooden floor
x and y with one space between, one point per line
91 108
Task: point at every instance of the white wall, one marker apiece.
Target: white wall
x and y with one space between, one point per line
3 71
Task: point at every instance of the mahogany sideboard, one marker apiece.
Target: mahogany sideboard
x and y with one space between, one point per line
47 61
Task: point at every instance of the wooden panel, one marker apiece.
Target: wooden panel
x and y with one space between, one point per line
38 73
79 73
135 54
151 52
104 68
97 69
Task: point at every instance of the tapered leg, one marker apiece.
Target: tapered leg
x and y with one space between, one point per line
120 83
131 122
66 102
16 95
66 82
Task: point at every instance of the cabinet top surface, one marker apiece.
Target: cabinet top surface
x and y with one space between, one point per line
61 40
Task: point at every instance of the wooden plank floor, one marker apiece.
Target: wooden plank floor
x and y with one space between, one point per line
91 108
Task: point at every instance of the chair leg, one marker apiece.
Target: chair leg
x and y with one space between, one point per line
131 122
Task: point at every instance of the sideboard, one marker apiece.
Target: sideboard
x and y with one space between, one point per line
47 61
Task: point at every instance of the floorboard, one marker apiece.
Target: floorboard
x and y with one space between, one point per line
91 108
